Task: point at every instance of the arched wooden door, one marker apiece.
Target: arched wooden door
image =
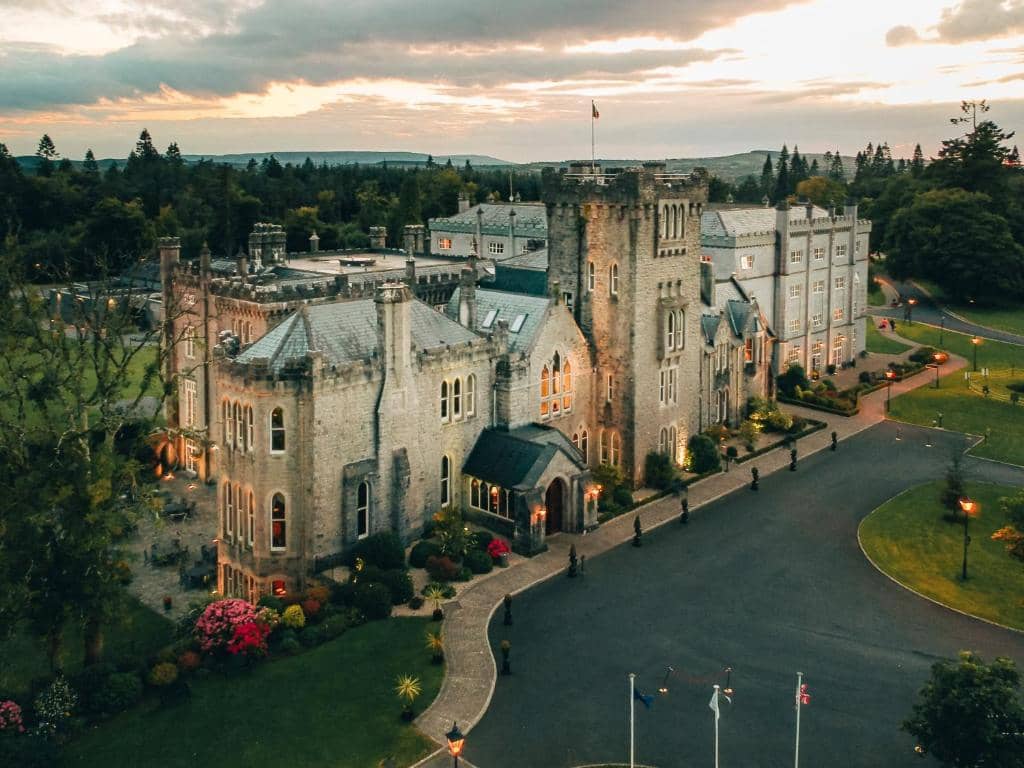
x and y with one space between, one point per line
554 502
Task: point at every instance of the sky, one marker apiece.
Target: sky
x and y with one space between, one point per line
512 79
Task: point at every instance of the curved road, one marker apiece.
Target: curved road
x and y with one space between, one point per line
928 311
768 583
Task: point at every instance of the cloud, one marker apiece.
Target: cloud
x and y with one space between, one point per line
967 21
223 48
901 35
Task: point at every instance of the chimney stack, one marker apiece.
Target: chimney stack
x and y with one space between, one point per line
410 271
707 283
242 264
463 202
467 298
511 233
378 238
204 260
394 330
314 242
480 230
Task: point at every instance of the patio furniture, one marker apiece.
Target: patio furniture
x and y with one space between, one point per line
167 553
199 575
177 511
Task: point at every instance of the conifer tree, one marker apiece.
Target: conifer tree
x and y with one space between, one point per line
173 154
767 177
814 170
782 176
90 165
836 171
917 161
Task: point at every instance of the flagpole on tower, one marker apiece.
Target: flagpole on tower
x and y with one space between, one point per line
632 714
715 699
594 114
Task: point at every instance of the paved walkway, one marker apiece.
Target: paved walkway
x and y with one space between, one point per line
471 672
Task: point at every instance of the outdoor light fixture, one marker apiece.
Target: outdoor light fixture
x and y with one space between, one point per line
663 688
969 507
456 741
728 680
975 340
889 376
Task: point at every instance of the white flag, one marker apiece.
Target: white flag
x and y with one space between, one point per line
713 704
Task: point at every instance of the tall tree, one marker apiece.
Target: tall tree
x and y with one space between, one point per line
767 177
782 186
836 171
89 164
917 161
47 153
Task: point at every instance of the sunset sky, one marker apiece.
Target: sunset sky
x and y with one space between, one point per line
512 79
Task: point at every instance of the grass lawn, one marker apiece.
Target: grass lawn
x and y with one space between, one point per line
1009 318
882 343
138 632
962 410
908 539
332 706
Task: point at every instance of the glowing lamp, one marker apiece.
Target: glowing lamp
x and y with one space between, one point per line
912 301
890 374
968 505
456 741
277 587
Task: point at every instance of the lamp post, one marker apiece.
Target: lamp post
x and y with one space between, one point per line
938 361
910 310
942 326
889 376
968 506
975 341
456 741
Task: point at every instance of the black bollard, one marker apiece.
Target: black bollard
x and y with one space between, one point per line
573 565
792 460
755 476
508 610
835 440
506 647
637 532
684 516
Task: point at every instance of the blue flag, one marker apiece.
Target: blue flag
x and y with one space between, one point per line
646 698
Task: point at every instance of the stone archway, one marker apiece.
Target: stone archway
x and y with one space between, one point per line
554 503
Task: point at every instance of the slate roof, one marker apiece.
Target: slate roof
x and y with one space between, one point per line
737 222
709 325
531 220
346 332
517 458
530 260
507 306
732 304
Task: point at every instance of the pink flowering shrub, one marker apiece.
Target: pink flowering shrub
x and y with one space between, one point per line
497 548
250 639
215 629
10 717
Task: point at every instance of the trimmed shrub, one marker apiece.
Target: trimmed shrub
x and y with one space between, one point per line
793 377
319 592
442 568
779 421
464 574
750 431
120 691
399 584
615 495
383 550
864 377
189 661
703 454
622 497
269 601
732 452
479 562
88 682
162 674
311 608
293 617
373 600
482 540
415 602
717 432
422 551
659 471
922 355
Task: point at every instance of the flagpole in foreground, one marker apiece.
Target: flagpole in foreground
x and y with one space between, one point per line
796 753
715 694
632 705
593 119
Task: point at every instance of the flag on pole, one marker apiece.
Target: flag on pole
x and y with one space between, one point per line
593 111
646 698
804 696
713 704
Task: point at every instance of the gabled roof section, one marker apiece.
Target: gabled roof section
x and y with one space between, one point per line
506 306
709 327
531 220
530 260
518 458
737 222
346 332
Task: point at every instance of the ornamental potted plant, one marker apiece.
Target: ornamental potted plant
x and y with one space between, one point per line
407 688
498 550
435 594
436 646
168 602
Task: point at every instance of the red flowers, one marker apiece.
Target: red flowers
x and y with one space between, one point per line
250 639
497 548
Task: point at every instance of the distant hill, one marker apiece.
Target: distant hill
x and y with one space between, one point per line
726 167
347 157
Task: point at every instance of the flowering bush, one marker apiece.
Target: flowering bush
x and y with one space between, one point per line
189 661
310 607
55 705
163 674
293 617
270 617
497 548
216 627
250 639
10 717
318 592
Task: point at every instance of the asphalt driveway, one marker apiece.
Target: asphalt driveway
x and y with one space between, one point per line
767 583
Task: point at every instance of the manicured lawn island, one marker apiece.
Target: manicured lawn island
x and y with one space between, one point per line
881 343
333 706
1000 422
908 539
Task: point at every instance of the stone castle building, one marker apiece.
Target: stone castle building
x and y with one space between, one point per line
334 395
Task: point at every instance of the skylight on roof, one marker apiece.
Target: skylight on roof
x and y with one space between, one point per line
489 320
517 324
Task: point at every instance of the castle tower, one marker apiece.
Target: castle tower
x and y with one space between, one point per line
624 251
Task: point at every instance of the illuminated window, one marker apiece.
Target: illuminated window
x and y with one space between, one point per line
363 510
277 588
444 243
278 523
748 351
566 386
277 442
837 313
747 261
819 254
545 391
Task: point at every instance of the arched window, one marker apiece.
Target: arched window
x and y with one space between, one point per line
250 429
585 445
615 449
672 443
228 437
556 383
363 510
248 333
474 494
591 276
225 511
470 395
444 401
670 331
613 280
567 386
663 441
664 223
545 390
446 481
239 427
240 513
457 399
277 442
604 446
278 523
680 327
251 510
229 510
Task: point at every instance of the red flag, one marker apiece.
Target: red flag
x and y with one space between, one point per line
593 111
804 696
